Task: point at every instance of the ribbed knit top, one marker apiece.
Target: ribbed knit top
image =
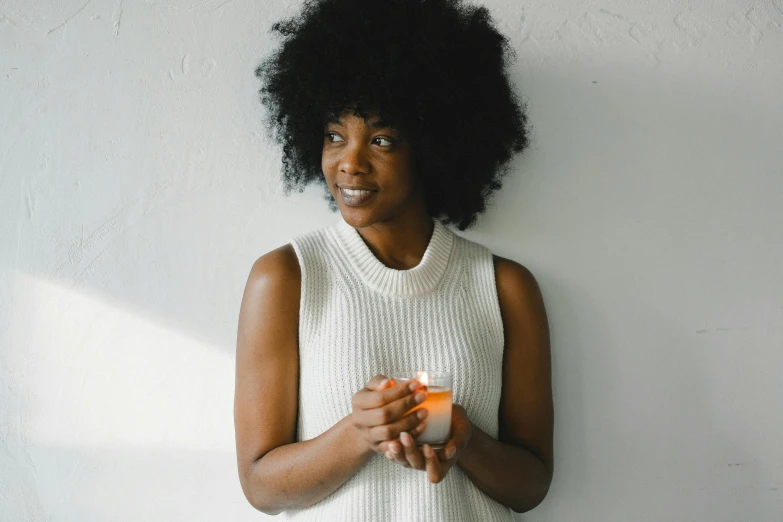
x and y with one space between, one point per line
359 318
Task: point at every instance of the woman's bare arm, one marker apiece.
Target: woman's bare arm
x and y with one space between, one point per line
516 470
276 472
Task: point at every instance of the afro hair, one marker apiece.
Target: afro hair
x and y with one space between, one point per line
435 69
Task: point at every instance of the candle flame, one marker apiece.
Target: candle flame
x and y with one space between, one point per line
424 379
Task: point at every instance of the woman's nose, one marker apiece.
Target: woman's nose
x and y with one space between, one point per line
354 160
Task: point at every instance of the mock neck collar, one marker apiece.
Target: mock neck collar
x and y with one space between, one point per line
419 280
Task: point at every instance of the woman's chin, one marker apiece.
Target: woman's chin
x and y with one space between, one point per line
358 217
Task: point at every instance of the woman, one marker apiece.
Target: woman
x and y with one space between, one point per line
402 109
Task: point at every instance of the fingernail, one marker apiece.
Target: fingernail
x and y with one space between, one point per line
428 451
383 383
421 413
389 455
421 427
413 386
405 439
420 397
394 448
450 451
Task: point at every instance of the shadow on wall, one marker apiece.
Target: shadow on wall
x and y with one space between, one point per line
77 484
113 417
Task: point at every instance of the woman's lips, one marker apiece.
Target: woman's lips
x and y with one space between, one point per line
356 198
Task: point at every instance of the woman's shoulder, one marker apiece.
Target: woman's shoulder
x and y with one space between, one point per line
278 265
287 262
511 270
516 285
271 294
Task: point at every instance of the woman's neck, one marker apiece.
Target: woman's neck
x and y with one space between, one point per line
401 243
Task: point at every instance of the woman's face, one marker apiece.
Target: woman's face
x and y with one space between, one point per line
369 170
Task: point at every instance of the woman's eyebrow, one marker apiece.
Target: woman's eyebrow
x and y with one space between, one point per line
381 124
375 124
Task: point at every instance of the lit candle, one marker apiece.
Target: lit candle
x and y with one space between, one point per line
438 405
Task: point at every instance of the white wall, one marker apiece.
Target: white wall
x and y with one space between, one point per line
137 187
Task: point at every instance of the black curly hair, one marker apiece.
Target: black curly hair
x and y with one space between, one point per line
435 69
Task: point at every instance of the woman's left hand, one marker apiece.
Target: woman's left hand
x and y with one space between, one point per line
436 463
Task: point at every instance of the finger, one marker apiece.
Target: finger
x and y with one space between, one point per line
400 389
389 445
395 410
418 430
370 398
392 450
393 429
412 452
399 454
434 468
449 450
461 431
446 454
373 398
395 457
401 406
378 382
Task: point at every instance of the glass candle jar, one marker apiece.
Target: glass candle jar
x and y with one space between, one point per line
438 405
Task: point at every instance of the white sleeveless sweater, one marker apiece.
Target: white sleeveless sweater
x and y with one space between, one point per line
359 318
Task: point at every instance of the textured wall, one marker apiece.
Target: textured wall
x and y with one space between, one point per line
137 187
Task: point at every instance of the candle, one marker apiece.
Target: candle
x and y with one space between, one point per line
438 405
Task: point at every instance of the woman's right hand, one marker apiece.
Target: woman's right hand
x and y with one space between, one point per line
379 411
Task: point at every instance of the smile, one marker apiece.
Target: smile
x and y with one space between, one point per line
356 197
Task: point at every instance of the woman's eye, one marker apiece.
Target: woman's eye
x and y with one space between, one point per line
331 136
384 142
